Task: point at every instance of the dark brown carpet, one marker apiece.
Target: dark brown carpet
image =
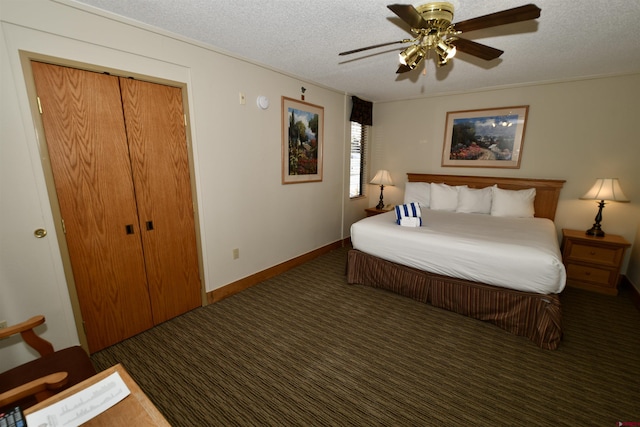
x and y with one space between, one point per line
307 349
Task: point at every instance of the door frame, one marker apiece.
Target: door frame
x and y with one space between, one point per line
25 59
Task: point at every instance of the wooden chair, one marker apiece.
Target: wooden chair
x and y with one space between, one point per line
54 371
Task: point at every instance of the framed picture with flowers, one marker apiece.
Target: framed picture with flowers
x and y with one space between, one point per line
302 141
489 138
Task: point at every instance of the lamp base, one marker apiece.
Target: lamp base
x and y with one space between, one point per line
595 231
380 205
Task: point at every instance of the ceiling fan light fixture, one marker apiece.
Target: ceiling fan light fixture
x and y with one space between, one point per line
412 56
432 28
445 50
409 54
445 54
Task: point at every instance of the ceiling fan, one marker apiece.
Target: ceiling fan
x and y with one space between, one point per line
433 31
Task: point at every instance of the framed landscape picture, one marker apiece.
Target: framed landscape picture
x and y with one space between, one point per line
489 138
302 141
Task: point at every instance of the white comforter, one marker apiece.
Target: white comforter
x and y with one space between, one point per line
516 253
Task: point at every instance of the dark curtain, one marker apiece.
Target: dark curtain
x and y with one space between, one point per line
362 111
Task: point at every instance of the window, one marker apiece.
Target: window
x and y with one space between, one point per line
358 160
361 118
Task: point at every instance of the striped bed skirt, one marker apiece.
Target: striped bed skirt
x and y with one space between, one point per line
536 316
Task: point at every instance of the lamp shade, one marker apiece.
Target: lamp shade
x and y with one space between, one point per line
382 178
606 189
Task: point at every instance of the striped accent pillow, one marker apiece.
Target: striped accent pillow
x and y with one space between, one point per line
408 210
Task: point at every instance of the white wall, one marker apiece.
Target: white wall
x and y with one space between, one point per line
577 131
237 150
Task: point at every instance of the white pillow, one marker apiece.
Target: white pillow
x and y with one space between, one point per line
418 192
513 203
444 197
474 200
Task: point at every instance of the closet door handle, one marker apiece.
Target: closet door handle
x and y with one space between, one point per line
129 228
149 225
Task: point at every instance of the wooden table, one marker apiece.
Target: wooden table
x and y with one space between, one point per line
375 211
593 263
134 410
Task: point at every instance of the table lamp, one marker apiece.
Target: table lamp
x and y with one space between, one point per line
604 189
382 178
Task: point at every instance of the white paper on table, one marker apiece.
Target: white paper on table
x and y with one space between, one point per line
83 405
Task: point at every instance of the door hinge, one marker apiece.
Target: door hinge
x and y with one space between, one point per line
185 120
39 104
64 229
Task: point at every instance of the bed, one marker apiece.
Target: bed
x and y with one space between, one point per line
510 277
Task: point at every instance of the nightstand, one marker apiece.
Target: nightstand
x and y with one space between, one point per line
375 211
593 263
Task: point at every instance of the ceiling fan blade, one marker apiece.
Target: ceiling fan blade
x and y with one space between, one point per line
403 69
476 49
349 52
509 16
408 14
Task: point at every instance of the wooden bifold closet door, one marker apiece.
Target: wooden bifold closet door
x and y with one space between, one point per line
118 153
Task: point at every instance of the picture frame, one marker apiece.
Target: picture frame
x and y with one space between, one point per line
302 141
486 138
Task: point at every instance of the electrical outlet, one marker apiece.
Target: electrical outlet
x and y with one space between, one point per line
242 99
236 253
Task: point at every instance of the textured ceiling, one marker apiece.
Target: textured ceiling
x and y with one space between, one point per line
302 38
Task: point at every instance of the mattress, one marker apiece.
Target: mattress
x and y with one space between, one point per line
515 253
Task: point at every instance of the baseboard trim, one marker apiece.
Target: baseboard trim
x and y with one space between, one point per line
633 291
244 283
